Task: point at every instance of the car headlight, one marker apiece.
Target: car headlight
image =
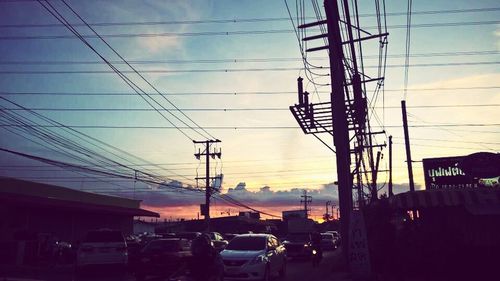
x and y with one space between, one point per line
259 259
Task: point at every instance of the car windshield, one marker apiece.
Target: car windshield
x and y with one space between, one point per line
298 237
188 235
248 243
327 236
104 236
163 246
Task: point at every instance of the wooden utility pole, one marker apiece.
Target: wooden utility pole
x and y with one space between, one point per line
407 145
208 192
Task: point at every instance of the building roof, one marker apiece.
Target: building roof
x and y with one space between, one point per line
33 194
477 199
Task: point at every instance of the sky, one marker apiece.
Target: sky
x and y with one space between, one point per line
241 96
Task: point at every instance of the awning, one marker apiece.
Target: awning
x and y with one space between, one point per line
31 202
474 199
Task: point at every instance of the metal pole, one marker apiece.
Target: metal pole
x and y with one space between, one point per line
407 145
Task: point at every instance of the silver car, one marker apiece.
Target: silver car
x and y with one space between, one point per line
254 257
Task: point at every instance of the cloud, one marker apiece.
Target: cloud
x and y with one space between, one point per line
163 196
157 44
497 36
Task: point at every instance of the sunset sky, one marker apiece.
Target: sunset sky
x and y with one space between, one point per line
246 86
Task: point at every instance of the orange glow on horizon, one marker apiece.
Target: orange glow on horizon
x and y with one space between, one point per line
190 212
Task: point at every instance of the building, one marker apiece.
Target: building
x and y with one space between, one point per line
294 214
143 226
229 224
32 214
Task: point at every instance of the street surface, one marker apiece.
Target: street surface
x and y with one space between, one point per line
297 270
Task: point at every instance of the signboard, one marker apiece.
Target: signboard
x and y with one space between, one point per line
475 170
203 209
294 214
358 254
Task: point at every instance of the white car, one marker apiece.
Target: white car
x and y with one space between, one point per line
102 247
328 241
254 257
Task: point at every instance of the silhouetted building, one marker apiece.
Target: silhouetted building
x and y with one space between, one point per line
230 224
33 214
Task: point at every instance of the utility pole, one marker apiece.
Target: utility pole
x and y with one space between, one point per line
347 110
339 116
390 167
374 178
327 218
208 192
307 200
407 145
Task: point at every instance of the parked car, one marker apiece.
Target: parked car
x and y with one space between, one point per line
134 246
229 236
218 241
162 257
328 241
187 235
102 247
254 257
336 236
298 245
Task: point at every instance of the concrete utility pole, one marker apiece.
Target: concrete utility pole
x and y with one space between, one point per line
326 209
390 167
407 145
374 190
307 200
333 212
208 192
339 116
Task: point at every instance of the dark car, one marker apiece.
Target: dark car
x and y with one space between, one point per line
187 235
217 240
298 245
229 236
162 257
134 246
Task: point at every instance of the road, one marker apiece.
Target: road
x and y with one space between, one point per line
297 270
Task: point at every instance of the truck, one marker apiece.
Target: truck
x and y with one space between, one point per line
298 241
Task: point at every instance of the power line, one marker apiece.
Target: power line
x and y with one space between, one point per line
234 20
234 60
235 93
137 72
53 11
407 51
233 127
230 70
232 109
229 33
92 170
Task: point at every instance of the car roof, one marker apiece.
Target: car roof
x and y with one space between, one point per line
165 240
255 235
